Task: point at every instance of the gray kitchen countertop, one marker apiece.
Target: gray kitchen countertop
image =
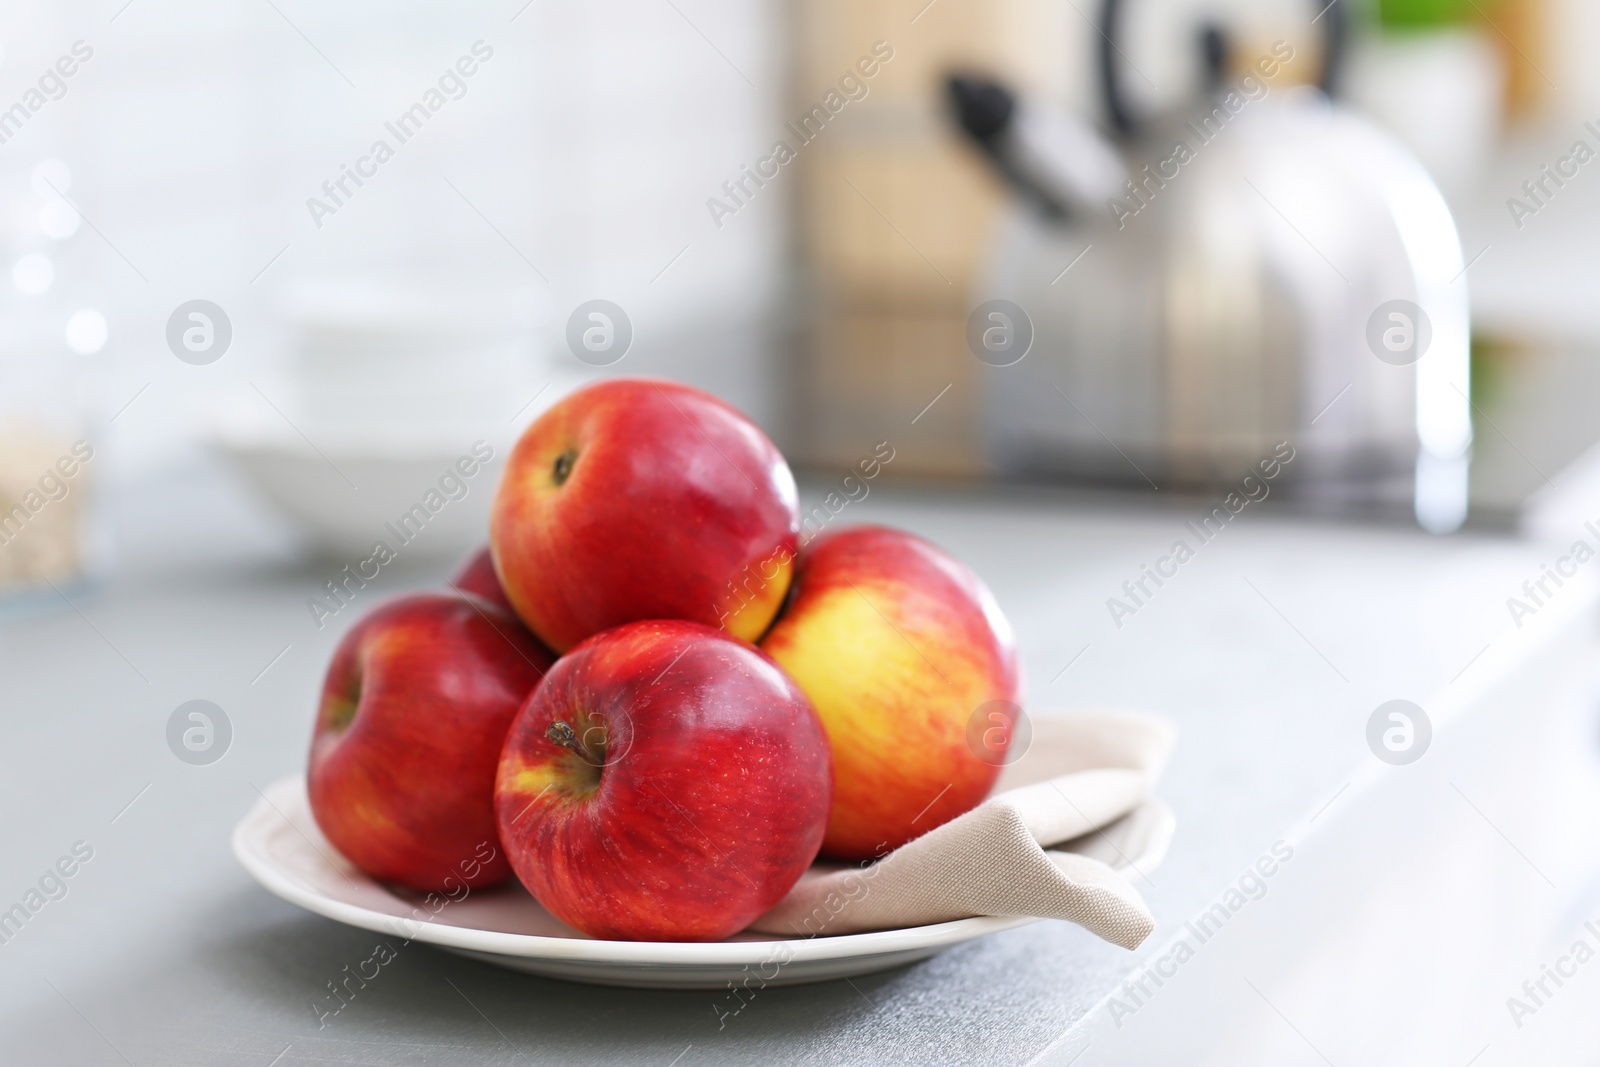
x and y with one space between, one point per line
1270 648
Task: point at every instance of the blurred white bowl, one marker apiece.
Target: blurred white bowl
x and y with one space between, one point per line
346 499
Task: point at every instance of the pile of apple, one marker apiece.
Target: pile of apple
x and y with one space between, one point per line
645 699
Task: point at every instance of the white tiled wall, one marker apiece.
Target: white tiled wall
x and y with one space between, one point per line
194 136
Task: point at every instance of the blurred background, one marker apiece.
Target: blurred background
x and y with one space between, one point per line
782 204
1080 277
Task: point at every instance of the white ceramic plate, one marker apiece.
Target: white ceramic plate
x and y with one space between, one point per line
280 845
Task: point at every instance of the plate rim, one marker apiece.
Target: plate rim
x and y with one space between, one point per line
648 954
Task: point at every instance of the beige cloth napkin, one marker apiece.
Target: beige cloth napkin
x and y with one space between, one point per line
1082 771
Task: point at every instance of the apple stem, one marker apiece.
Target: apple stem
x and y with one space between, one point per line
565 736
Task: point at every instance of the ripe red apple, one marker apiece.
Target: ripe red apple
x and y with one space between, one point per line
641 499
476 575
898 645
665 783
415 707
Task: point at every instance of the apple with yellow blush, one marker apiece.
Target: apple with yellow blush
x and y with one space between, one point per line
899 646
635 499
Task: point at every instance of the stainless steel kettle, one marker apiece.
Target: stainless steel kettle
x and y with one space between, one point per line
1167 303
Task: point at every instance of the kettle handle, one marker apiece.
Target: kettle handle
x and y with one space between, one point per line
1330 14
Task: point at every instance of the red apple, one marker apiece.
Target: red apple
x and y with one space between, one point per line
476 575
640 499
898 645
665 783
415 708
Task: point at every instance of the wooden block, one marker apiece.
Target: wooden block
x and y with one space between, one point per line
1023 40
873 377
898 226
897 214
